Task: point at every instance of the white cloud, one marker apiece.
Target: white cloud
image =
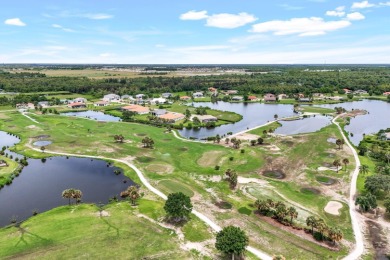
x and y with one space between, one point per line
201 48
194 15
335 13
361 5
291 7
96 16
302 26
62 28
340 8
15 22
385 4
230 21
105 55
355 16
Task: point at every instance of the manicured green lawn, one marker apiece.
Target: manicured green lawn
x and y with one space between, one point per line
259 131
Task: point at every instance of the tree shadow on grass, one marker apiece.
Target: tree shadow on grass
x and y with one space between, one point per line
110 226
24 232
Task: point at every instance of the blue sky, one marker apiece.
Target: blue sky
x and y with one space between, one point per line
195 31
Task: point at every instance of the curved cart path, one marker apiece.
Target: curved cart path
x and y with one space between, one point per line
359 244
145 182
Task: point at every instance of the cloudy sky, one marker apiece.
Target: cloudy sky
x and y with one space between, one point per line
195 31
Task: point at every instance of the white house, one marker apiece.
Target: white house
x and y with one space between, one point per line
197 95
112 98
80 100
139 96
166 95
156 101
101 103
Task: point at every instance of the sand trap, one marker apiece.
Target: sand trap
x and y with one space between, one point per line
244 180
333 208
321 169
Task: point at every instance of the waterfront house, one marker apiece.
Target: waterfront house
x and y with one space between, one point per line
101 103
386 93
158 112
156 101
112 98
172 117
136 109
140 96
237 98
205 118
43 104
76 105
282 96
166 95
185 98
232 92
304 100
197 95
269 97
79 100
252 98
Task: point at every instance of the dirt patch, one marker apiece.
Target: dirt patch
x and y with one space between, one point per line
321 169
183 149
244 180
247 137
309 190
333 208
160 168
275 174
103 213
223 205
378 240
3 116
210 158
326 180
31 126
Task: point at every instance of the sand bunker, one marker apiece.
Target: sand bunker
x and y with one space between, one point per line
333 207
321 169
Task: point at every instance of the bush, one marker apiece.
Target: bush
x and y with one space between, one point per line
231 158
216 167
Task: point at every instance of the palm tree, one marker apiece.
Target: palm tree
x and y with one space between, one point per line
281 211
337 164
67 194
340 143
276 116
321 226
293 213
311 222
77 194
363 169
265 132
335 235
262 206
132 193
346 162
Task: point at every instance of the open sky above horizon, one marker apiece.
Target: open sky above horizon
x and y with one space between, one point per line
195 32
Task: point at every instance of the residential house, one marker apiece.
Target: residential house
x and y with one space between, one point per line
360 92
25 106
140 96
158 112
197 95
304 100
43 104
76 105
185 98
127 98
282 96
112 98
172 117
3 163
166 95
252 98
335 98
237 98
269 97
232 92
386 93
205 118
80 100
347 91
156 101
101 103
136 109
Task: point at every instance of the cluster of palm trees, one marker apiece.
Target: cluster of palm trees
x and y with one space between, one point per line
119 138
72 194
337 163
258 141
265 132
236 142
334 234
147 142
132 192
277 209
231 178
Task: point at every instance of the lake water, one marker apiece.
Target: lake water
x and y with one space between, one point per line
39 186
254 114
42 143
378 118
304 125
94 115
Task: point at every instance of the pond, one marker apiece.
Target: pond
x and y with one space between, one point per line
254 114
94 115
378 118
42 143
8 140
304 125
40 184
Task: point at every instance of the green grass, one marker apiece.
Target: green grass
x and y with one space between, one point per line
78 232
170 186
259 131
5 172
313 109
195 230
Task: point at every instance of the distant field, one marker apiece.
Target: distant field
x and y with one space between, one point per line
101 74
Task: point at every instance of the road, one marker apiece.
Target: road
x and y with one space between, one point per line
359 242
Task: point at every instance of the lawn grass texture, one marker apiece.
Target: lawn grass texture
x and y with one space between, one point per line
72 135
78 232
6 171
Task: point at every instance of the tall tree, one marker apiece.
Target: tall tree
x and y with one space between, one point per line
132 192
231 240
311 221
178 206
363 169
293 213
337 164
346 162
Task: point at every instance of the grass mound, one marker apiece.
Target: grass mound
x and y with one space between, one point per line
311 191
